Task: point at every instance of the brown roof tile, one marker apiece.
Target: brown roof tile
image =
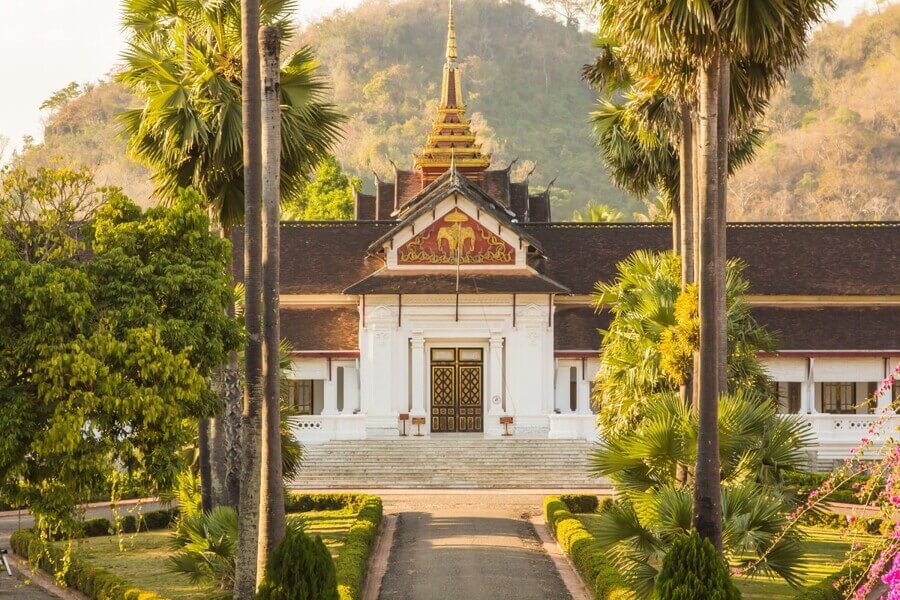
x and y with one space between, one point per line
365 207
839 328
539 208
834 327
496 185
576 328
321 328
320 257
384 200
782 258
409 183
518 199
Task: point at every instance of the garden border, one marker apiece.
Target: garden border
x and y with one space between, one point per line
99 584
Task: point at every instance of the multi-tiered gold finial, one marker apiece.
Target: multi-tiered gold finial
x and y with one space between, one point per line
451 140
451 38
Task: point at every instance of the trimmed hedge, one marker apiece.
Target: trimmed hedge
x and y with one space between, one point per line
354 554
585 551
155 519
297 503
95 582
831 520
581 503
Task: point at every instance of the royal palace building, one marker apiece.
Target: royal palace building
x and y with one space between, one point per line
453 303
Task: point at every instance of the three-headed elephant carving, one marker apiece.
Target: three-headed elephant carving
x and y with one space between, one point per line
455 235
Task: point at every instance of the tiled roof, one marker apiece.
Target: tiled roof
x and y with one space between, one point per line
320 257
834 328
782 258
321 328
423 282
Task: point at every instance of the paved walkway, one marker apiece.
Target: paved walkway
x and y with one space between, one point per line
467 545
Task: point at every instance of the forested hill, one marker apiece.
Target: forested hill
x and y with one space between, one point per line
833 151
521 75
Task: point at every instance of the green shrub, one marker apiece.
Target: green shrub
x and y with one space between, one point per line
299 568
693 570
580 503
585 552
94 582
295 503
354 558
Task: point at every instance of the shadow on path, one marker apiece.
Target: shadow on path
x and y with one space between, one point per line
467 556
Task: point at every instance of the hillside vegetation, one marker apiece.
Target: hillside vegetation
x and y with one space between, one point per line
521 77
832 151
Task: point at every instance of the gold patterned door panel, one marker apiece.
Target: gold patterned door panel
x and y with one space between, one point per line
457 392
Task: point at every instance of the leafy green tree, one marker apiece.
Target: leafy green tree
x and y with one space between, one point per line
328 197
111 327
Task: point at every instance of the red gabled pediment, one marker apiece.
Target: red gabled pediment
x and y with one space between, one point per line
456 238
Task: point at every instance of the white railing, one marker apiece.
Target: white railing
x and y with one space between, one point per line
837 435
321 428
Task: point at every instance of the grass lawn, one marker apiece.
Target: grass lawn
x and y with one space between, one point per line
143 558
826 550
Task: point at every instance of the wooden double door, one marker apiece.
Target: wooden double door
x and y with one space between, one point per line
457 390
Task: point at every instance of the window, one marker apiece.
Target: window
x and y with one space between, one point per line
300 396
794 397
871 400
838 398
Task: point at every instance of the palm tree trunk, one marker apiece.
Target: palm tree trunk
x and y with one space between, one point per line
723 129
217 454
707 515
686 208
233 396
248 524
271 505
203 460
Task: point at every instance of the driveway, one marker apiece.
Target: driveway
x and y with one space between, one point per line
470 545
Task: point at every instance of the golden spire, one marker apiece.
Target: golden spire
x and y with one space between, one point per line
451 38
451 141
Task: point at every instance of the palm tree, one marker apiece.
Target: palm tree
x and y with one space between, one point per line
653 508
183 59
247 556
271 506
598 213
710 37
635 349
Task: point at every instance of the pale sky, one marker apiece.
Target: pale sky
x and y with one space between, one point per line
45 44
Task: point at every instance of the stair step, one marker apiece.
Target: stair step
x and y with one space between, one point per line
456 463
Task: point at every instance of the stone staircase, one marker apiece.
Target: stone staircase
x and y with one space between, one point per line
447 462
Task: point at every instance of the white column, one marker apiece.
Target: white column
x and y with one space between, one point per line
495 374
808 404
562 390
884 400
330 392
584 396
417 365
351 390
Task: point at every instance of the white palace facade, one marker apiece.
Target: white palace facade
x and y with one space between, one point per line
452 303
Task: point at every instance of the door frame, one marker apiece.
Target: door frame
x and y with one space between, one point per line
456 344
